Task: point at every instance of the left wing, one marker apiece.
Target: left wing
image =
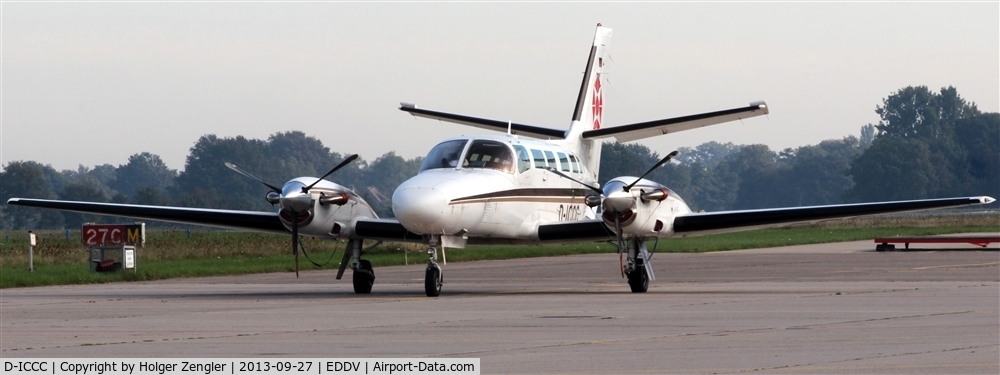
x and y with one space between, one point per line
232 219
697 224
734 221
632 132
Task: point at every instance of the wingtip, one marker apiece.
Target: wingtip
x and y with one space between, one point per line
762 105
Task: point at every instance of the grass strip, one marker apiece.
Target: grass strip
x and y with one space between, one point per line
233 253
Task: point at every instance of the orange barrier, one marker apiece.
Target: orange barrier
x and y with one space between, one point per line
885 242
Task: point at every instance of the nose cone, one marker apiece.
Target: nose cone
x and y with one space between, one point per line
616 199
619 201
420 209
292 197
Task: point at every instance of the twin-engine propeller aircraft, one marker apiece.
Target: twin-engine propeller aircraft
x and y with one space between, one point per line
533 185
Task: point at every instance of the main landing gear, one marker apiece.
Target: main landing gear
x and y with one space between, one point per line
433 278
638 271
364 274
364 277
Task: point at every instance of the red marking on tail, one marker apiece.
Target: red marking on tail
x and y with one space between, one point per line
597 102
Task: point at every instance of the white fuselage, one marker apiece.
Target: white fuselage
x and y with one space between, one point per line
505 196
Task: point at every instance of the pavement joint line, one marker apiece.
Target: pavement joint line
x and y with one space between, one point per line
883 356
958 265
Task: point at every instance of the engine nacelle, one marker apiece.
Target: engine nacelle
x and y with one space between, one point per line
654 214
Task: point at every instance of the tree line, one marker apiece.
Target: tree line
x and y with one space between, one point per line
926 145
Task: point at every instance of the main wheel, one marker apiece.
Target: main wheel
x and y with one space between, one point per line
364 277
638 280
433 281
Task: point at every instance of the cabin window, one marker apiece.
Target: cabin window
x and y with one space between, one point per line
576 164
523 159
551 159
539 158
563 162
444 155
489 155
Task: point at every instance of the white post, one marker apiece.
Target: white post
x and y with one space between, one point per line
31 251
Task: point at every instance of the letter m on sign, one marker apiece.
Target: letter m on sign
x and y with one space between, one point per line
132 235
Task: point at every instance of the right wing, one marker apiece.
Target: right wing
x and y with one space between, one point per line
496 125
384 230
232 219
575 231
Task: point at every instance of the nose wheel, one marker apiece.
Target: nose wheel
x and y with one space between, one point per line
433 281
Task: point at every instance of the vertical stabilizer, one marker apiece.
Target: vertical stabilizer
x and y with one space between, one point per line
587 115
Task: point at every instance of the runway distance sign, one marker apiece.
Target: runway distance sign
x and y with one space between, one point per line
113 234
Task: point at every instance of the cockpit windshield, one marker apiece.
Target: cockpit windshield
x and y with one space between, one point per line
489 155
444 155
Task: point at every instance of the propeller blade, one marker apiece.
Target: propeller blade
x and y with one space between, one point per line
247 174
553 170
659 164
295 241
341 165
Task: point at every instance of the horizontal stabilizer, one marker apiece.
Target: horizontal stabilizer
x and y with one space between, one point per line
632 132
233 219
734 221
496 125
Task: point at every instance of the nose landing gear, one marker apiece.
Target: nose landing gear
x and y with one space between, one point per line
433 278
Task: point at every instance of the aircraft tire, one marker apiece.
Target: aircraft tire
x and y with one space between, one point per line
364 278
638 280
433 281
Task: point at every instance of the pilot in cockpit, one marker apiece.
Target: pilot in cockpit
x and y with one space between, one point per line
481 154
489 155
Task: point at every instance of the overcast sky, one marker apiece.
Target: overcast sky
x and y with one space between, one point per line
93 83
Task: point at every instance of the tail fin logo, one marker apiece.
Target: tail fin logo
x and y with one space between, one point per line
597 102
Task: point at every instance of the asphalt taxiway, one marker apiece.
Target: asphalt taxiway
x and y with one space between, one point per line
831 308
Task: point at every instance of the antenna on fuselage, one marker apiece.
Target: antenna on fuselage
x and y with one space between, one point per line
510 132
